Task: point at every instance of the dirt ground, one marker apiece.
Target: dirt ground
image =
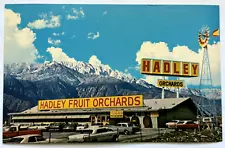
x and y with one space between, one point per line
189 136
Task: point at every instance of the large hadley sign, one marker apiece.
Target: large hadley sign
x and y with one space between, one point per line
169 68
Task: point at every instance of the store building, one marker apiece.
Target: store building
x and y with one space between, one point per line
153 113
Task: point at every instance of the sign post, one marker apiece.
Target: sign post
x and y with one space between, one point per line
178 88
163 91
170 84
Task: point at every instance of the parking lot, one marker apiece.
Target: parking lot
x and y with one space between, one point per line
146 133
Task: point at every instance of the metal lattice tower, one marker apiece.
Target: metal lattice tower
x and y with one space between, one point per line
206 107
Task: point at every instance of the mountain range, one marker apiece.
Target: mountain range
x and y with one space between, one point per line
25 84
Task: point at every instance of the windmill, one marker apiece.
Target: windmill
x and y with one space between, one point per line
206 107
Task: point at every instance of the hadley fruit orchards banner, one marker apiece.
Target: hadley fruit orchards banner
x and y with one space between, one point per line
98 102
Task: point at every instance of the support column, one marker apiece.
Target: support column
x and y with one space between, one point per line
177 92
154 118
141 119
163 93
154 122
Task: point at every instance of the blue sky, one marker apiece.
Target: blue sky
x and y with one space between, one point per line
122 30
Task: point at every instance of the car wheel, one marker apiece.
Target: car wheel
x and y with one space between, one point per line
126 132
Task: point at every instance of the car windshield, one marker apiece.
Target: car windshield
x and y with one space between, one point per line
15 140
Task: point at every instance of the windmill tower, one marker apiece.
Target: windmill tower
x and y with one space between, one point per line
206 107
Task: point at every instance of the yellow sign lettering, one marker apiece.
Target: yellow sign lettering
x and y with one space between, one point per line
98 102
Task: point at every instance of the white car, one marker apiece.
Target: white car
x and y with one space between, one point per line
94 134
81 126
126 128
172 123
39 126
31 139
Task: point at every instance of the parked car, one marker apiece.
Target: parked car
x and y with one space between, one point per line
99 124
43 127
18 131
172 124
69 127
94 134
55 127
125 128
33 138
81 126
183 125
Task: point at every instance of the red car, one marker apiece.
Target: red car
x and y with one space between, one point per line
17 131
187 125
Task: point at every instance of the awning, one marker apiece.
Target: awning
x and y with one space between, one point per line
59 117
17 117
51 117
42 117
78 116
31 117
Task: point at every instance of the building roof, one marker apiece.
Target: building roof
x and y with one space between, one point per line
149 105
157 104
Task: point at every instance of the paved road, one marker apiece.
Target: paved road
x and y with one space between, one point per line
145 134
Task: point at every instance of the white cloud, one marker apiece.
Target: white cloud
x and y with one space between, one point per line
93 36
53 42
76 14
46 21
72 17
182 53
59 56
18 43
105 13
94 61
58 34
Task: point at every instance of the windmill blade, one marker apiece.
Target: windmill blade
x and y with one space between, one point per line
215 33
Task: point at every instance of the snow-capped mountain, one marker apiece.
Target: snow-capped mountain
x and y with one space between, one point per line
209 93
105 70
39 71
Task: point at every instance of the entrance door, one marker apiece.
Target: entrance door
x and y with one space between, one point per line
147 122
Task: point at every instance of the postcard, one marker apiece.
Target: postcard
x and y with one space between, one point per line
80 73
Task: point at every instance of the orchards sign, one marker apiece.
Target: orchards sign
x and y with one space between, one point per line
98 102
170 83
169 68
